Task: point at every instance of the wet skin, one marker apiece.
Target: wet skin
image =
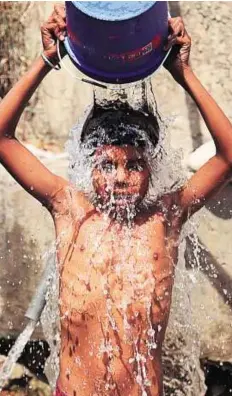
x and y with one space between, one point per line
104 263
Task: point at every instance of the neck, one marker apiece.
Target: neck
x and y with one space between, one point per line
123 215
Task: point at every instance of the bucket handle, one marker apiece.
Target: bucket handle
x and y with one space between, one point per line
85 80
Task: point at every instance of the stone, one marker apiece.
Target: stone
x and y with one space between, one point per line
23 243
201 155
23 383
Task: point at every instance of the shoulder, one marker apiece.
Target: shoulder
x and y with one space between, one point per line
68 201
167 206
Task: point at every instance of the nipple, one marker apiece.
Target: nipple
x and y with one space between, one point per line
155 256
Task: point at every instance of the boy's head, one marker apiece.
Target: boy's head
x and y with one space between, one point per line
120 175
117 140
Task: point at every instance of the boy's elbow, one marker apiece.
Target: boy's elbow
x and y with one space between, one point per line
226 157
4 146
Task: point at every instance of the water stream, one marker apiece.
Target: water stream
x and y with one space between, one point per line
166 175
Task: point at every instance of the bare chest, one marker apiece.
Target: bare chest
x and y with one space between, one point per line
107 260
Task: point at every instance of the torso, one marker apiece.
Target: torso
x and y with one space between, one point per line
115 296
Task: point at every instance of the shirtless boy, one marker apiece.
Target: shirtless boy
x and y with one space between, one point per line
115 279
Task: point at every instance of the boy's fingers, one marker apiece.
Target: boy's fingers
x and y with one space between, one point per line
60 27
60 10
177 32
60 22
54 30
170 43
176 25
48 27
56 17
48 35
174 40
178 29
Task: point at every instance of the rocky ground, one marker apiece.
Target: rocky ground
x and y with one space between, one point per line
24 383
177 381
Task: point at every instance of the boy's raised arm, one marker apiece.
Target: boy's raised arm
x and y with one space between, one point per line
21 163
211 176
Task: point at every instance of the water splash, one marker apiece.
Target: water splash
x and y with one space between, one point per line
50 321
167 176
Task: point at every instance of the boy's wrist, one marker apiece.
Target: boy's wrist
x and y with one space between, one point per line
40 67
187 72
50 62
184 77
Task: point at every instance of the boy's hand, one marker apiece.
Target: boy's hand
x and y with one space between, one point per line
51 31
178 59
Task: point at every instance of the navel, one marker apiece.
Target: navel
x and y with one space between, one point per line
87 285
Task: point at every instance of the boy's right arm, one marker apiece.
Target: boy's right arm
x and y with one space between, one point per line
21 163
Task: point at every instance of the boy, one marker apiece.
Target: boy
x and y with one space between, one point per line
116 271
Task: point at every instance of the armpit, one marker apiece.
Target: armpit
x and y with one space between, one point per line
69 202
169 205
61 201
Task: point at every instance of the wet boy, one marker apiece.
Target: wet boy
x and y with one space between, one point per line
115 279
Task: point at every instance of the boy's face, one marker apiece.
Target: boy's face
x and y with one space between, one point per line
120 175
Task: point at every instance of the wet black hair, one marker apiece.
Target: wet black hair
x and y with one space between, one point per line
119 125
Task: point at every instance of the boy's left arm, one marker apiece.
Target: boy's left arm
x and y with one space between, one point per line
211 176
215 172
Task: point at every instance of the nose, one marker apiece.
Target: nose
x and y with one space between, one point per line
121 177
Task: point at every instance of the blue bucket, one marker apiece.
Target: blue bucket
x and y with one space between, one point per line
116 41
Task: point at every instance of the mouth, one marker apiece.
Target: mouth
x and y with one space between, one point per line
122 198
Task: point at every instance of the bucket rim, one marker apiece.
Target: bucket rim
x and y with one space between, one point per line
83 7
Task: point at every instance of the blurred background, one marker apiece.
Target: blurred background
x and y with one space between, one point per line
56 106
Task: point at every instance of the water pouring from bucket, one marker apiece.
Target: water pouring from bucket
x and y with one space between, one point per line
117 42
